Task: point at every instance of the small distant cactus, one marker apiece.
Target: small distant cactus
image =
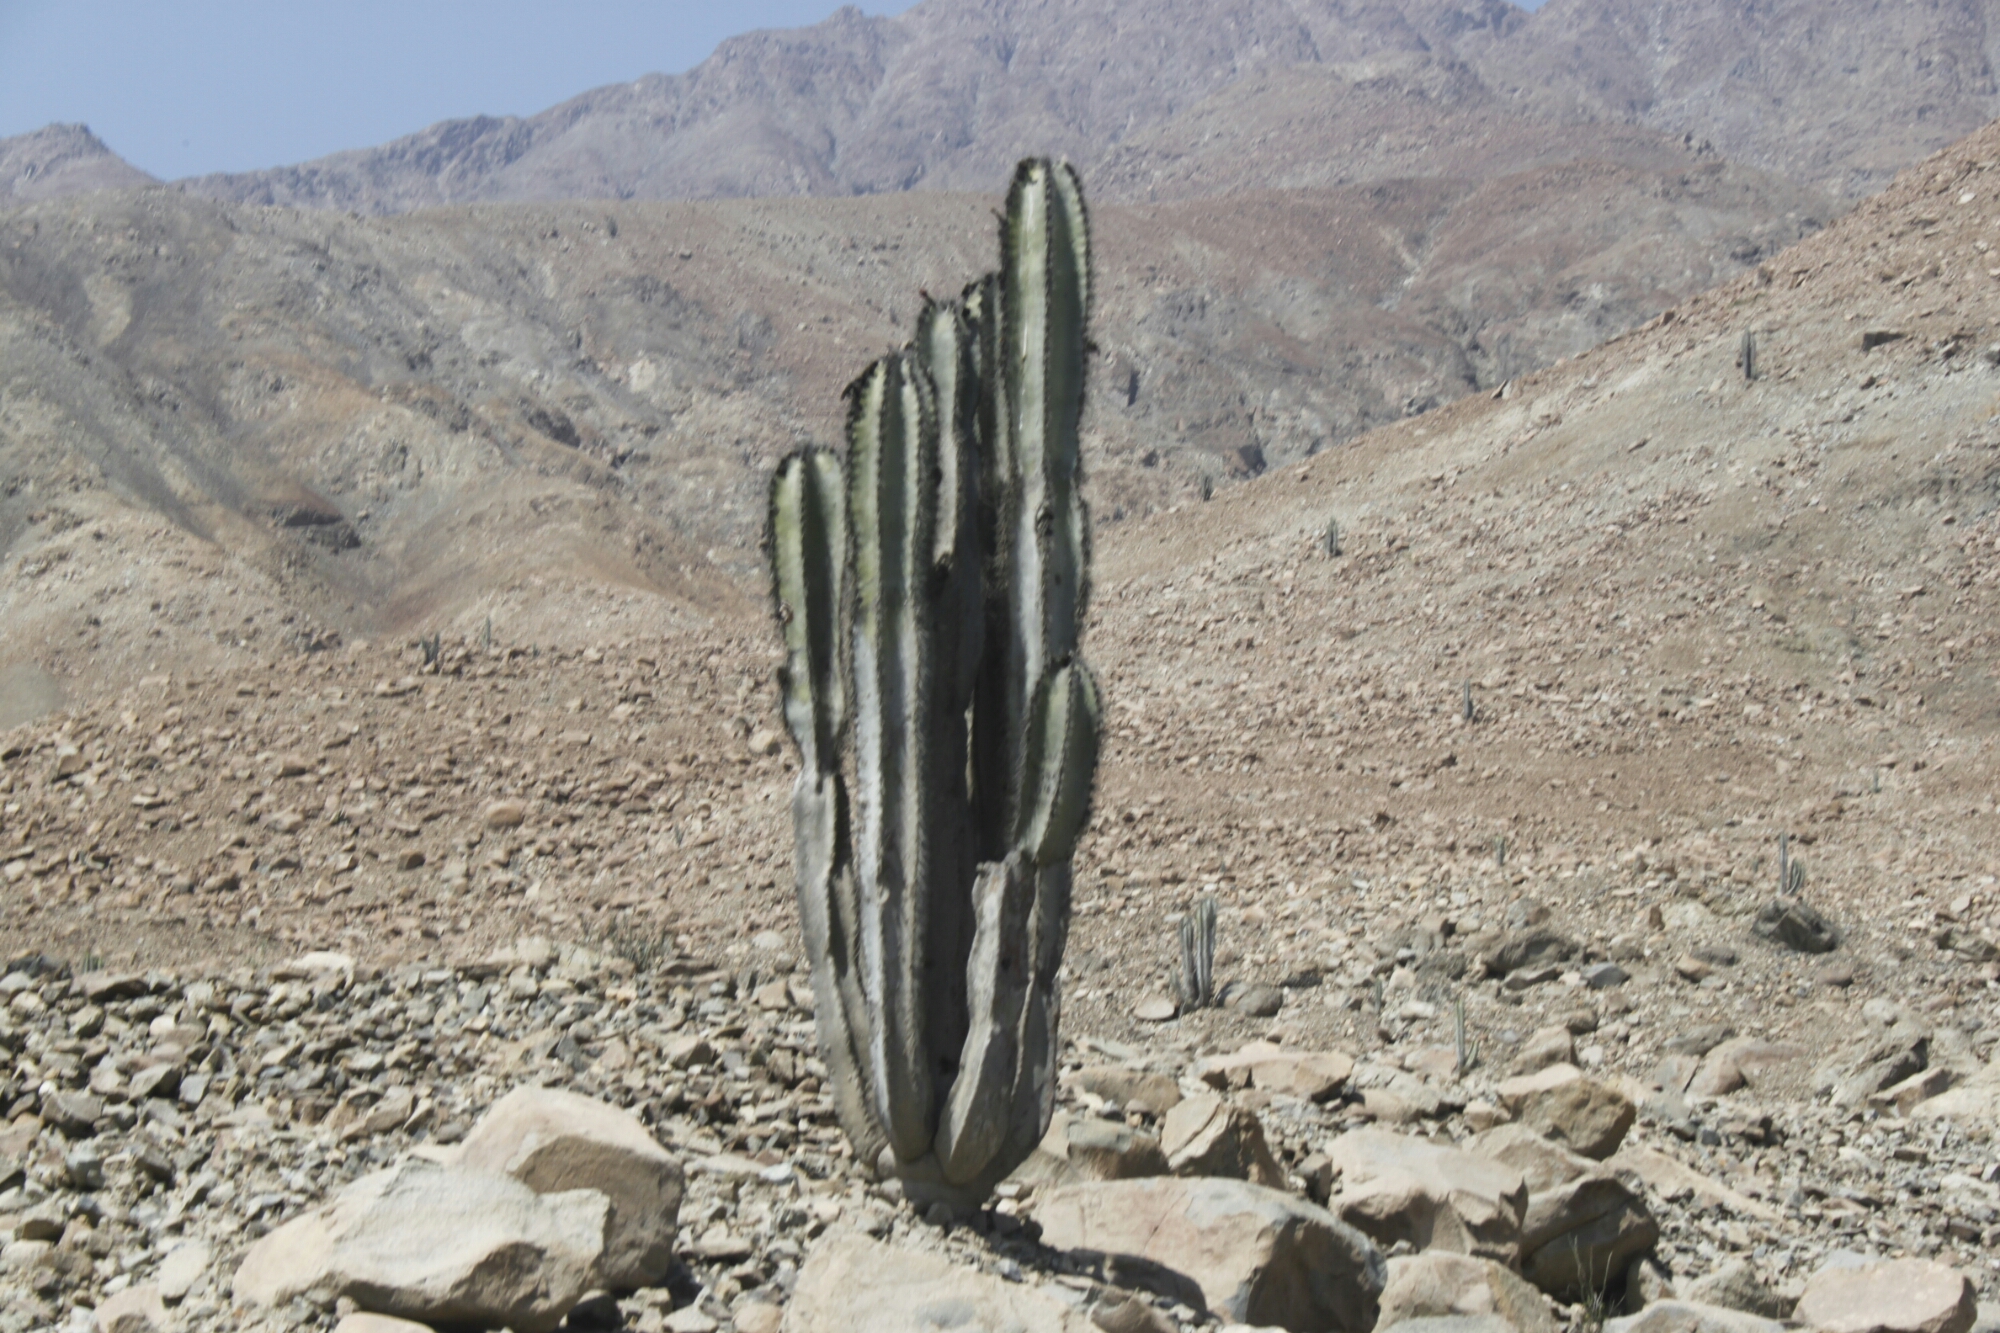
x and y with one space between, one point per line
1467 1049
930 590
432 646
1197 971
1791 870
1330 539
1749 357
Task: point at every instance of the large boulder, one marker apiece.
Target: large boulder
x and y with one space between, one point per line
1254 1255
438 1244
851 1282
1206 1136
1583 1224
554 1141
1898 1296
1438 1285
1397 1188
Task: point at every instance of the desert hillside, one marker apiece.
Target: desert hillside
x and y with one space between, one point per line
228 428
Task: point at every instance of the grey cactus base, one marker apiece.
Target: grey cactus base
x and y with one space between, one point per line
930 590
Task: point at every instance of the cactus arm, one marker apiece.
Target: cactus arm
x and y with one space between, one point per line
1061 763
1036 1037
992 746
892 507
808 544
828 920
945 347
1046 306
973 1128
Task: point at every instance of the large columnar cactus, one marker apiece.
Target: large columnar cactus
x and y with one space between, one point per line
930 591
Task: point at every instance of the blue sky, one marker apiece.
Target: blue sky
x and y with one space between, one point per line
181 87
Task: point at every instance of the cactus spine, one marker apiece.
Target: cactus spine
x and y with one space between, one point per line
935 582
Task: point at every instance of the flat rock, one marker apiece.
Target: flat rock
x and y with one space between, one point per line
1398 1188
440 1245
183 1267
554 1141
134 1310
1314 1075
1735 1286
1743 1062
1439 1285
1691 1317
1898 1296
1254 1255
379 1323
1206 1136
1131 1089
851 1282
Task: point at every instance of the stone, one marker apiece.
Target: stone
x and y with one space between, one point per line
1678 1316
1898 1296
134 1310
690 1319
1258 1001
1206 1136
1552 1045
1671 1179
1253 1255
1530 947
74 1113
1858 1072
1316 1076
554 1141
1398 1188
1742 1062
1605 976
183 1267
506 814
1903 1098
1789 922
1975 1100
378 1323
1582 1114
1439 1284
1515 1093
1155 1009
758 1317
1736 1286
1584 1224
852 1282
1131 1314
1131 1089
1108 1150
440 1245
